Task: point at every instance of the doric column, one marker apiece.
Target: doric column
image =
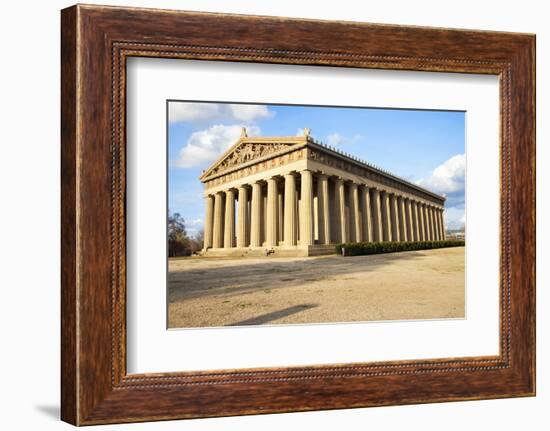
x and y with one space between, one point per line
208 221
242 217
442 217
356 224
280 214
229 224
394 218
430 222
377 223
323 206
217 231
290 210
306 210
256 215
409 220
386 217
415 220
340 207
422 226
440 223
434 223
427 233
271 221
402 219
366 214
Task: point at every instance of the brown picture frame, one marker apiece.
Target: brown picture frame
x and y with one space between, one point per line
95 43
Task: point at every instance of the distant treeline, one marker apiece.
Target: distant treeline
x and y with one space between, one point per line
179 243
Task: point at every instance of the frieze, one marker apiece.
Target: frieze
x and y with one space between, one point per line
300 154
338 163
264 165
247 152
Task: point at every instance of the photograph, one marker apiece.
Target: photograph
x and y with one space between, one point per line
304 214
297 214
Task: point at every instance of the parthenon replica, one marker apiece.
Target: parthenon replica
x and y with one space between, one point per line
295 196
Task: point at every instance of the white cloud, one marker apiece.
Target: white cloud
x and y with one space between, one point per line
248 113
448 179
205 146
196 112
336 139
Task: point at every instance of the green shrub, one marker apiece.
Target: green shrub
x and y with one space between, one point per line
362 248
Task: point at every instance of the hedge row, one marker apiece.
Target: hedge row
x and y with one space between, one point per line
362 248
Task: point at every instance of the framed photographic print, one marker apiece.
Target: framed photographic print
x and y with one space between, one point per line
265 215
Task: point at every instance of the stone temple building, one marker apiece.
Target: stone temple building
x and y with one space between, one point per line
292 195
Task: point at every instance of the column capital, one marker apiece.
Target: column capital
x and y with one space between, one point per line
321 175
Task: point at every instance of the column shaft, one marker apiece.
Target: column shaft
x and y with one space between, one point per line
394 218
290 210
306 210
431 221
280 214
208 221
323 206
422 226
434 224
340 207
256 215
440 224
386 217
217 235
377 223
242 218
427 233
402 219
442 217
229 225
416 228
271 222
366 214
356 224
409 217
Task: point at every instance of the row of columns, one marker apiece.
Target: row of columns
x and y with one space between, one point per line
345 211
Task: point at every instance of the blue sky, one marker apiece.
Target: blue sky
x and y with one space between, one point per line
424 147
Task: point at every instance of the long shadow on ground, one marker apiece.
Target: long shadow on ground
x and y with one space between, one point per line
230 280
274 315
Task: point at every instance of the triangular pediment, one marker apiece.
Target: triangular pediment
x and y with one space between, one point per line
248 150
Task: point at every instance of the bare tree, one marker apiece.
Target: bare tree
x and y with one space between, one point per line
178 241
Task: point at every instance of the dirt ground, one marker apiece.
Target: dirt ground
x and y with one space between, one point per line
423 284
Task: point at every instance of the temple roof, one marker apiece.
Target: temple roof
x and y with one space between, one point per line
249 150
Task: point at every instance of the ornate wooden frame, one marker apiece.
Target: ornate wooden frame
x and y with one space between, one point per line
96 41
